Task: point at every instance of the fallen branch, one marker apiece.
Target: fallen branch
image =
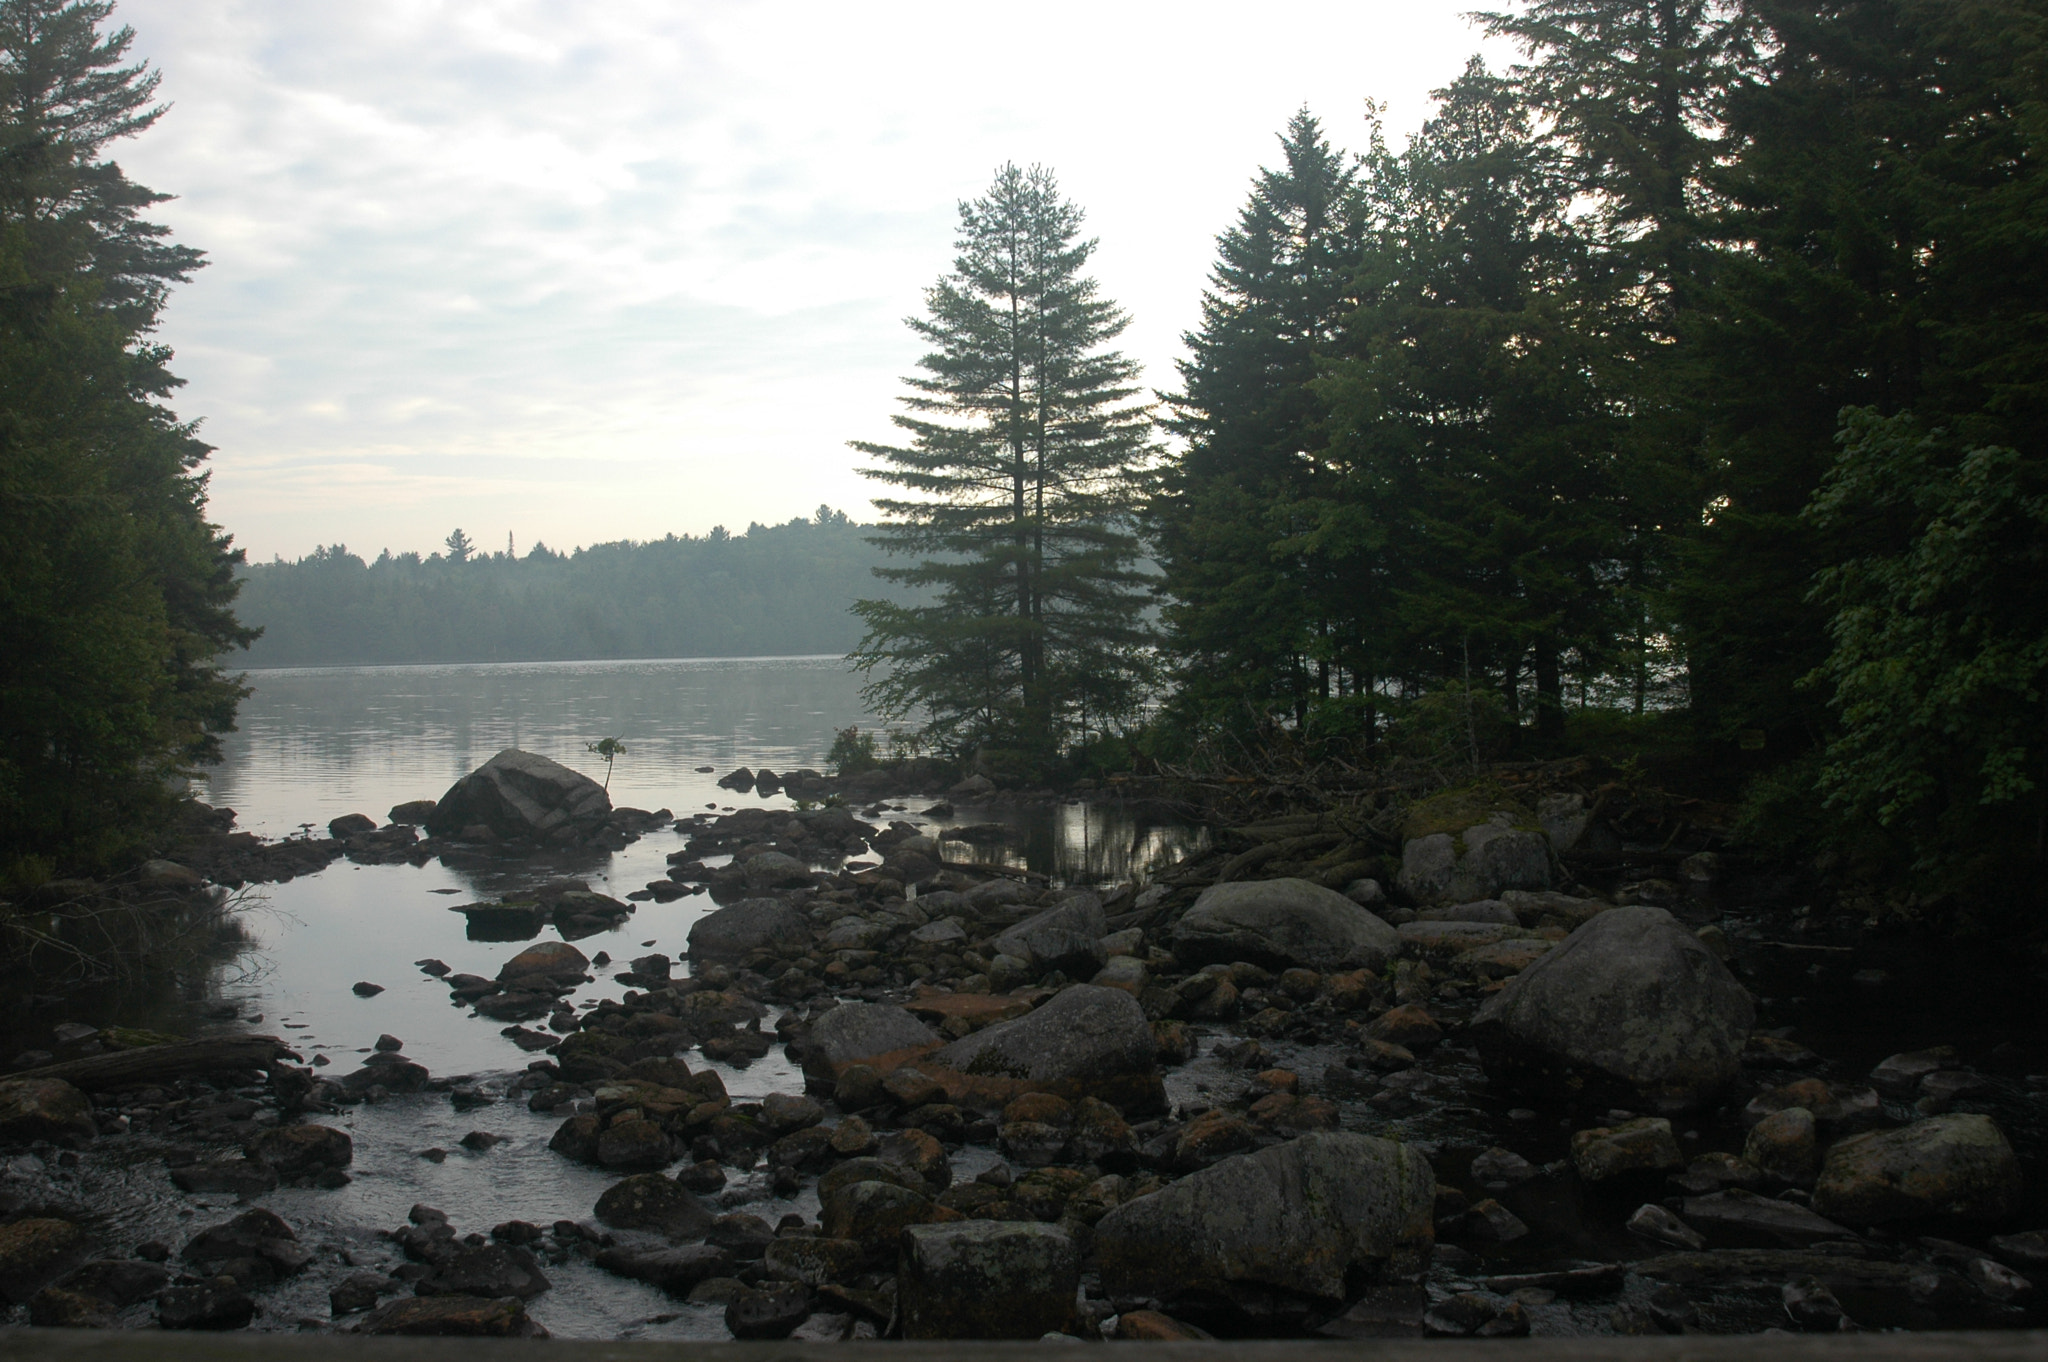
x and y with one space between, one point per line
155 1063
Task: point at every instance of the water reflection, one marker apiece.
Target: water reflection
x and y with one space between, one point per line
1076 842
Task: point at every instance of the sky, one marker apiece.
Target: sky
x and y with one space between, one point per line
577 272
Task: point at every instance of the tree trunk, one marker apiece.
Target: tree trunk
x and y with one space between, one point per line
1549 693
156 1063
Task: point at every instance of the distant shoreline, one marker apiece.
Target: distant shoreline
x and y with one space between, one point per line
533 663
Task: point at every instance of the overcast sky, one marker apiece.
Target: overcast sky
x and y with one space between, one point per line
588 271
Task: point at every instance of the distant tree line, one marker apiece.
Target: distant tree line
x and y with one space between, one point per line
779 590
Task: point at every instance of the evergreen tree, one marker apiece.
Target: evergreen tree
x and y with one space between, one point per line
1256 618
115 593
1022 463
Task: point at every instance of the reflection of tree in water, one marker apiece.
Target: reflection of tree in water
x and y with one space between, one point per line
1085 842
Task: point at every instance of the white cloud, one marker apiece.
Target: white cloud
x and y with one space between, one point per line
598 270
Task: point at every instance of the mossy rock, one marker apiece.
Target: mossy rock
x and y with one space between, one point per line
1453 811
134 1038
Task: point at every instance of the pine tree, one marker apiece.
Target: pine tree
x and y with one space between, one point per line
1024 453
1256 616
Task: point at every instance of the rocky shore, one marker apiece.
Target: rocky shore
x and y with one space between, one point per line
1265 1094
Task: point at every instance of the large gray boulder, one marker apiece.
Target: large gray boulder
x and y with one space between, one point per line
747 926
877 1034
1948 1166
522 797
1281 924
1631 1004
986 1279
1086 1041
1067 936
1297 1219
1479 863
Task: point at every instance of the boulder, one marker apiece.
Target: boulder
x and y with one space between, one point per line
489 1270
878 1035
634 1145
1951 1166
674 1270
1065 937
255 1248
649 1201
873 1213
1280 924
1784 1146
1298 1218
748 926
522 797
1631 1002
1477 863
1086 1041
986 1279
34 1251
44 1109
1743 1218
1639 1146
413 812
297 1151
204 1305
776 870
1484 910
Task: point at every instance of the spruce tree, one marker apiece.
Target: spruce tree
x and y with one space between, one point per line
1023 456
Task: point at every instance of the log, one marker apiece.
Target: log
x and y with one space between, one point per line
154 1063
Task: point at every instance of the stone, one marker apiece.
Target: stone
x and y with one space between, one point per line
521 796
354 1294
649 1201
1564 818
413 812
873 1213
50 1109
746 1237
255 1248
986 1279
204 1306
1489 1222
1785 1146
34 1251
545 961
747 926
1408 1026
813 1260
776 870
1502 1165
675 1270
1298 1218
1084 1042
1630 1002
1478 863
1151 1326
488 1270
1812 1307
1958 1166
300 1151
1500 959
1281 923
634 1145
768 1312
452 1317
867 1169
1740 1217
242 1177
1639 1146
57 1307
1066 937
1655 1223
2029 1248
120 1282
1483 910
1836 1109
1900 1075
1126 972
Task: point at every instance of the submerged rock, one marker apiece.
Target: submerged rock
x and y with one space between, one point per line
520 796
1631 1001
1279 924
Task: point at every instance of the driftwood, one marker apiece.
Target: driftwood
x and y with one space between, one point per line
154 1063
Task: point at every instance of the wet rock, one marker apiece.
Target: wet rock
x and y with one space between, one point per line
301 1151
813 1260
748 926
775 870
870 1170
1836 1109
1997 1281
204 1306
520 796
544 963
238 1177
255 1248
1469 1314
35 1251
1945 1166
357 1293
413 811
488 1270
57 1307
745 1237
1900 1075
1408 1027
2028 1249
1638 1146
50 1109
630 1145
363 988
873 1213
1282 923
1298 1218
453 1317
577 1137
1812 1307
1631 1001
1739 1217
1484 910
767 1312
783 1112
1785 1146
1066 937
1659 1225
649 1201
675 1270
1084 1042
986 1279
1489 1222
119 1282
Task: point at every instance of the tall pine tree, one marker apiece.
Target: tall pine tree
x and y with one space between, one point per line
1024 453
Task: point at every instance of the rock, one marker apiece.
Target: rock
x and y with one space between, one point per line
768 1312
630 1145
783 1112
776 870
119 1282
745 1237
522 797
545 962
1900 1075
1484 910
747 926
1997 1281
363 988
56 1307
487 1270
1639 1146
1564 818
1066 937
1631 1001
388 1043
204 1306
1478 863
243 1177
1296 1218
413 812
255 1248
350 825
1653 1222
1150 1326
813 1261
357 1293
1740 1217
867 1169
169 877
2027 1249
974 787
675 1270
986 1279
1489 1222
50 1109
1784 1146
1409 1027
1502 1165
1836 1109
649 1201
879 1036
1812 1307
299 1151
1957 1165
1281 923
1126 972
873 1213
452 1317
34 1251
1085 1042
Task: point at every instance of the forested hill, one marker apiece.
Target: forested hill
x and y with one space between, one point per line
775 590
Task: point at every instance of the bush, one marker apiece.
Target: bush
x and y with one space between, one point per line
853 751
